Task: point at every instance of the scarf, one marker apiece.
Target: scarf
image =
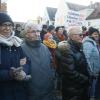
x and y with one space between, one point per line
12 40
60 37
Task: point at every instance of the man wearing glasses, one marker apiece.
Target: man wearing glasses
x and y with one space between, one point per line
42 72
73 66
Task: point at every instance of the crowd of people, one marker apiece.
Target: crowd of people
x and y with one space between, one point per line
48 64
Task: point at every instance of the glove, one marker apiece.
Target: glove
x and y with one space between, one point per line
19 74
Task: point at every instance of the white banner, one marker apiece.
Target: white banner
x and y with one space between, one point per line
74 18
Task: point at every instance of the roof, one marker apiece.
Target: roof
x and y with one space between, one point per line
75 7
51 12
96 13
95 5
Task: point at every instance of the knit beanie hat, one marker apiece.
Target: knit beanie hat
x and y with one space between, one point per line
5 18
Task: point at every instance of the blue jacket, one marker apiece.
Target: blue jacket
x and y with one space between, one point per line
42 84
11 89
92 55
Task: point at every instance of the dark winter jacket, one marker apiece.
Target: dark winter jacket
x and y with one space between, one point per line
73 68
11 89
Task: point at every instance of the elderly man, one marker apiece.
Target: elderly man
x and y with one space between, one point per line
42 84
73 67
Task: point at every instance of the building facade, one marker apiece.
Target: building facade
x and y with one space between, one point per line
3 6
69 14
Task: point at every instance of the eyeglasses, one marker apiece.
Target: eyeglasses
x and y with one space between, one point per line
7 25
34 31
79 34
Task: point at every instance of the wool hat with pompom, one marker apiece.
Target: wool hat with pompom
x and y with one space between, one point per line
5 18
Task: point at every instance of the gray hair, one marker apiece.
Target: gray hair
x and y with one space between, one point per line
63 46
74 30
31 25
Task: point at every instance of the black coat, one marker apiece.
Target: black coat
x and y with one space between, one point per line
11 89
73 69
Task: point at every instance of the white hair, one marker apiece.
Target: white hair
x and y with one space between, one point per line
31 25
63 46
74 30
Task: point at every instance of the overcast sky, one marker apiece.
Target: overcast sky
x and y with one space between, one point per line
23 10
